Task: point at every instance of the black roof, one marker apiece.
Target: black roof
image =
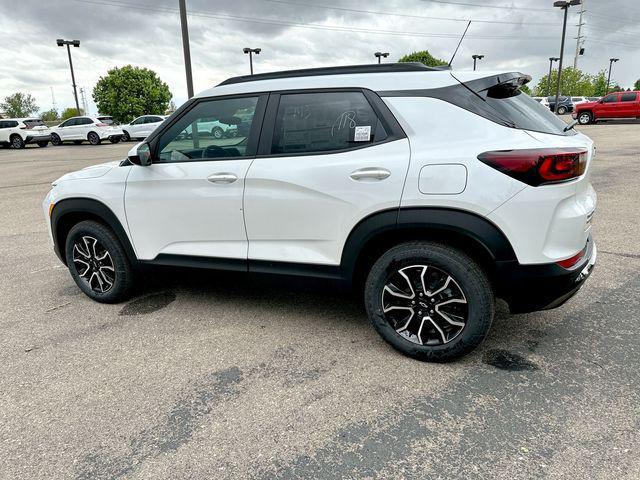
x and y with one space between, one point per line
348 69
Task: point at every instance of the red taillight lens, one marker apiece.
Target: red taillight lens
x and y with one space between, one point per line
570 262
101 125
538 166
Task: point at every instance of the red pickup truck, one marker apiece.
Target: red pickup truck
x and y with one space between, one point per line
614 105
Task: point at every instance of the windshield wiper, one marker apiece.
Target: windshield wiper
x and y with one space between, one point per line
570 126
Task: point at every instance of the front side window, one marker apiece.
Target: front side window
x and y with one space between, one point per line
211 129
320 122
610 98
628 97
68 123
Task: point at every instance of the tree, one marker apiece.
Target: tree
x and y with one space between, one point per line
424 57
70 112
128 92
49 115
636 86
599 82
19 105
573 82
525 89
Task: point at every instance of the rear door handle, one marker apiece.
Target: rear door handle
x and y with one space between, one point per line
222 178
370 174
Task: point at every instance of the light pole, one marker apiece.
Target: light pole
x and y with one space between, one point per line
551 60
75 43
185 47
564 5
476 57
379 55
611 62
251 51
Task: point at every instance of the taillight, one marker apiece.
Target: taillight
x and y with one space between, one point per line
570 262
101 125
538 166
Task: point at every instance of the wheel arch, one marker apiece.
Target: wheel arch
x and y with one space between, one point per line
67 213
468 231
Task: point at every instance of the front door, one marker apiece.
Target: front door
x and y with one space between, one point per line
189 201
326 160
608 107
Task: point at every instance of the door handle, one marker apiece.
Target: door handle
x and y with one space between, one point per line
370 174
222 178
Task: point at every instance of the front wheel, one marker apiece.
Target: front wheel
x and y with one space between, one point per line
55 140
429 301
584 118
98 263
17 141
125 136
94 138
114 139
43 144
217 133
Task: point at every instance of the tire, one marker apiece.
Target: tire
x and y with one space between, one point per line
584 118
94 138
217 133
77 142
114 139
562 110
16 141
449 275
93 252
43 144
125 136
56 141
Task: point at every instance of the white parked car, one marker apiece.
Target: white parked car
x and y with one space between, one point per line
17 132
432 194
141 127
579 100
542 100
84 128
214 128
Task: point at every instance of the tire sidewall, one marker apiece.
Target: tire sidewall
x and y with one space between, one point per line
464 271
94 138
17 141
585 115
123 272
562 110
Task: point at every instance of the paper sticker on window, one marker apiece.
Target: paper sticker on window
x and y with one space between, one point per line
362 134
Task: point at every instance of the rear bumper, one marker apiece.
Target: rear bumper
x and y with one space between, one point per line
37 138
529 288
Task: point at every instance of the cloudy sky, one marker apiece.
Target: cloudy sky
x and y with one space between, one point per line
512 34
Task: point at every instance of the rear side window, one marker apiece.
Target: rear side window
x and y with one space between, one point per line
628 97
322 122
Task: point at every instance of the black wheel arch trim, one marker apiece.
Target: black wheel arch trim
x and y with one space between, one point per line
90 209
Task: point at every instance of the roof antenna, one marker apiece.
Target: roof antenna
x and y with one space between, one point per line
459 43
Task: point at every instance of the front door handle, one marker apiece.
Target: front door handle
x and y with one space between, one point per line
222 178
370 174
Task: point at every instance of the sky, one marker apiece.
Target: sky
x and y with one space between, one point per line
514 35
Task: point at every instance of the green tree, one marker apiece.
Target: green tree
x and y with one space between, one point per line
599 82
573 82
525 89
423 57
636 86
19 105
70 112
49 115
128 92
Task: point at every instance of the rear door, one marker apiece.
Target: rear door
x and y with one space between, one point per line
629 105
327 159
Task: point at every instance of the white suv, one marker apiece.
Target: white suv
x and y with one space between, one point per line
17 132
433 191
91 129
141 127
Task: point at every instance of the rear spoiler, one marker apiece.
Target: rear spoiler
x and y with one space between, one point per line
497 86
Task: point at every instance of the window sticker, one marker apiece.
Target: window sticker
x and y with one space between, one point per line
362 134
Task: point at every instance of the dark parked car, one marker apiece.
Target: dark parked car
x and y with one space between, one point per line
564 104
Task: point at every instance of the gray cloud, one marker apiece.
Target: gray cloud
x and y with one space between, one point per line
147 33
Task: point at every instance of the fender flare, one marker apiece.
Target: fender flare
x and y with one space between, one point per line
72 209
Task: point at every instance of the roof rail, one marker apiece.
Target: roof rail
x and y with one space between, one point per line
345 70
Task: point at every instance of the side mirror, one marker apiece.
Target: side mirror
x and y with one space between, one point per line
140 155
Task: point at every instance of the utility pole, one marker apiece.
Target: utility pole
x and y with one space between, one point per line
564 5
53 100
579 37
76 43
185 46
611 62
551 60
85 106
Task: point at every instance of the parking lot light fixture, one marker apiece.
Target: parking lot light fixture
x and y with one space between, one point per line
251 51
551 60
475 58
563 5
76 43
611 62
380 55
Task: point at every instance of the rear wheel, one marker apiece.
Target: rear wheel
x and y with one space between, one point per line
43 144
55 140
562 110
217 133
98 263
94 138
17 141
429 301
584 118
125 136
114 139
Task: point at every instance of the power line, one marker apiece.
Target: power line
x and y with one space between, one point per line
501 7
404 15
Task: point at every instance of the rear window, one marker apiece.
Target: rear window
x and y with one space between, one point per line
33 122
523 112
628 97
107 120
